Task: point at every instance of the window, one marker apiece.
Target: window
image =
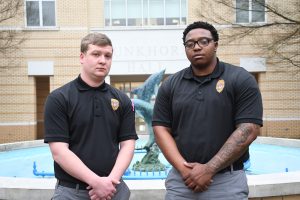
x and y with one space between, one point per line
248 11
145 12
40 13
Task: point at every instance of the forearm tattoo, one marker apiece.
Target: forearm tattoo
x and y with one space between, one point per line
245 131
235 146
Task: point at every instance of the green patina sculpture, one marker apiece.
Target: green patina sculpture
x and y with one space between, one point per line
150 161
144 109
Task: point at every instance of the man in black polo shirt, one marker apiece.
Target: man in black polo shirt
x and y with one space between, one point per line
90 128
205 117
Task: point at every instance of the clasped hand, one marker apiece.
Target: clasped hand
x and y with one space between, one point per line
103 189
198 176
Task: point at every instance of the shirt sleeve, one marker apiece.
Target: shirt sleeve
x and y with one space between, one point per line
55 119
248 101
162 113
127 128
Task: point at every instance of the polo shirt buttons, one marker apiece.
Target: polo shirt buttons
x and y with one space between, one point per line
97 109
200 96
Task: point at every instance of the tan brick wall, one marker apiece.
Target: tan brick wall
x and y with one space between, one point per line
96 13
72 13
17 133
209 8
17 99
18 20
282 129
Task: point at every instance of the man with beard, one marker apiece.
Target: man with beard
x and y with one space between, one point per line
205 117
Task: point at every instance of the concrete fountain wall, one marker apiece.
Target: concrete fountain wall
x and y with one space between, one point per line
283 186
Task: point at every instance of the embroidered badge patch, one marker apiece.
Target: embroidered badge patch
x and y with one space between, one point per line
220 85
114 104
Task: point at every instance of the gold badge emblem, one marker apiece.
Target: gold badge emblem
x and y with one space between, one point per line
114 104
220 85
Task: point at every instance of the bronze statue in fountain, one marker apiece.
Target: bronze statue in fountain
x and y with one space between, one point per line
144 109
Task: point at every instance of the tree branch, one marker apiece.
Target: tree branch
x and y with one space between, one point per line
282 44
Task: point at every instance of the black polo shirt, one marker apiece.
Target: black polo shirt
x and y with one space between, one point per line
203 112
93 121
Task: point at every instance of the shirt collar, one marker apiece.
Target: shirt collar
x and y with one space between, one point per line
83 86
188 74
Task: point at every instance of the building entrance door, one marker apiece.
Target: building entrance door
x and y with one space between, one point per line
42 84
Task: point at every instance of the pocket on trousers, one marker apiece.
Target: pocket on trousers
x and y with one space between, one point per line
123 192
57 194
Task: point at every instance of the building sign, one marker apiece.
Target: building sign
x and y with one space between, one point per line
147 51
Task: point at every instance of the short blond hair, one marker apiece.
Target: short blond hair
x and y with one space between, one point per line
98 39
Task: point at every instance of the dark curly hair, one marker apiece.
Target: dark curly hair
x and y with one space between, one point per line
203 25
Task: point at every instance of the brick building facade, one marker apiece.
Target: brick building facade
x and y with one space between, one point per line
143 44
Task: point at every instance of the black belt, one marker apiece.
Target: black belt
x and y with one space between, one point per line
234 166
79 186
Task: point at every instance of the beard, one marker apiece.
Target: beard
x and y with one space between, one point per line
205 67
201 66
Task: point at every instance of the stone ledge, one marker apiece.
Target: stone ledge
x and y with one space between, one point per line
21 145
279 184
267 185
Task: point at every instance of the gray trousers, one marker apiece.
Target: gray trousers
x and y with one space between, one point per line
226 186
66 193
